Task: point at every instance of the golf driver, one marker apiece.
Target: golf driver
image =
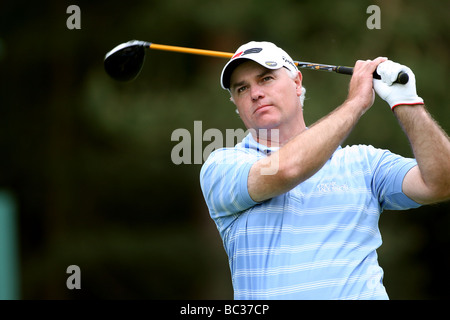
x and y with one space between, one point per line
125 61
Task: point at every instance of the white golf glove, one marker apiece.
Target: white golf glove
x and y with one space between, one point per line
395 93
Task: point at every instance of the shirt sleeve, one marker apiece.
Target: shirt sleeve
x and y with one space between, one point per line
389 171
223 180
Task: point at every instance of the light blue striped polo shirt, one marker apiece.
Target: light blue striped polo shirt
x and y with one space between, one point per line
317 241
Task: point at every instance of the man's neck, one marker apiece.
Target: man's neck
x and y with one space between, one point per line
277 137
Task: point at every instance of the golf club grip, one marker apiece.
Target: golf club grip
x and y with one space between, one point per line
402 77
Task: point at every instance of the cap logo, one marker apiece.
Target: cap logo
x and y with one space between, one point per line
237 54
289 62
253 50
248 51
271 63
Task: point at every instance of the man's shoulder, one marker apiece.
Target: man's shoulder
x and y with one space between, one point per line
358 155
361 150
245 149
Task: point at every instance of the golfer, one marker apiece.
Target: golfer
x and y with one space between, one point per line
298 214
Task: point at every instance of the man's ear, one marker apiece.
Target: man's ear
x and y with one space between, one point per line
298 82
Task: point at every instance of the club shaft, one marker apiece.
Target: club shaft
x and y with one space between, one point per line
402 77
201 52
221 54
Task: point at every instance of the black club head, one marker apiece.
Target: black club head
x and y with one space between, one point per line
125 61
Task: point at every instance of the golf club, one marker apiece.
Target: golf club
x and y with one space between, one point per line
125 61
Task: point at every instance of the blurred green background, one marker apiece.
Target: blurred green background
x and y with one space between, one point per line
88 159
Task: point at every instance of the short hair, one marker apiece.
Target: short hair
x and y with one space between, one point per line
293 75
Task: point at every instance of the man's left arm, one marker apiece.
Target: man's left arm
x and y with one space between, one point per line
429 181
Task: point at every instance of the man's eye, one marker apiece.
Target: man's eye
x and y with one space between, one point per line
267 78
241 89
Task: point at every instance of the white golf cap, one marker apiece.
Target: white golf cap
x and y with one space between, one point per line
265 53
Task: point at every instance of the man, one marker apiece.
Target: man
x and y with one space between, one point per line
298 214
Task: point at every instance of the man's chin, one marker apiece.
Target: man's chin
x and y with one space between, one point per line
268 124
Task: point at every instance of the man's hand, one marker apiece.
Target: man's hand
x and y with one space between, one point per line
394 93
361 85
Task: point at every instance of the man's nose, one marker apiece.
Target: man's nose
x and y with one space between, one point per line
256 92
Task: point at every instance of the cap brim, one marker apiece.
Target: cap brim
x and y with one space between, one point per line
233 64
228 70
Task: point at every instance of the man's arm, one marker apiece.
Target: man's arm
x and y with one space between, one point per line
306 153
429 181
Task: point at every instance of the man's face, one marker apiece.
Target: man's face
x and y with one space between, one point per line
265 98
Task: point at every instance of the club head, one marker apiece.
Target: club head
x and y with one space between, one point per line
125 61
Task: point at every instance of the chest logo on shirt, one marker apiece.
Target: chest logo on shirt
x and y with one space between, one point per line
332 187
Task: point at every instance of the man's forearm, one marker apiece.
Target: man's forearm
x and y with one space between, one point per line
305 154
431 148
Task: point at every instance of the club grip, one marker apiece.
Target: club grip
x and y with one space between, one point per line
344 70
402 77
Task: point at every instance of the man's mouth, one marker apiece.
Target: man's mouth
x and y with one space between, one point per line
262 107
